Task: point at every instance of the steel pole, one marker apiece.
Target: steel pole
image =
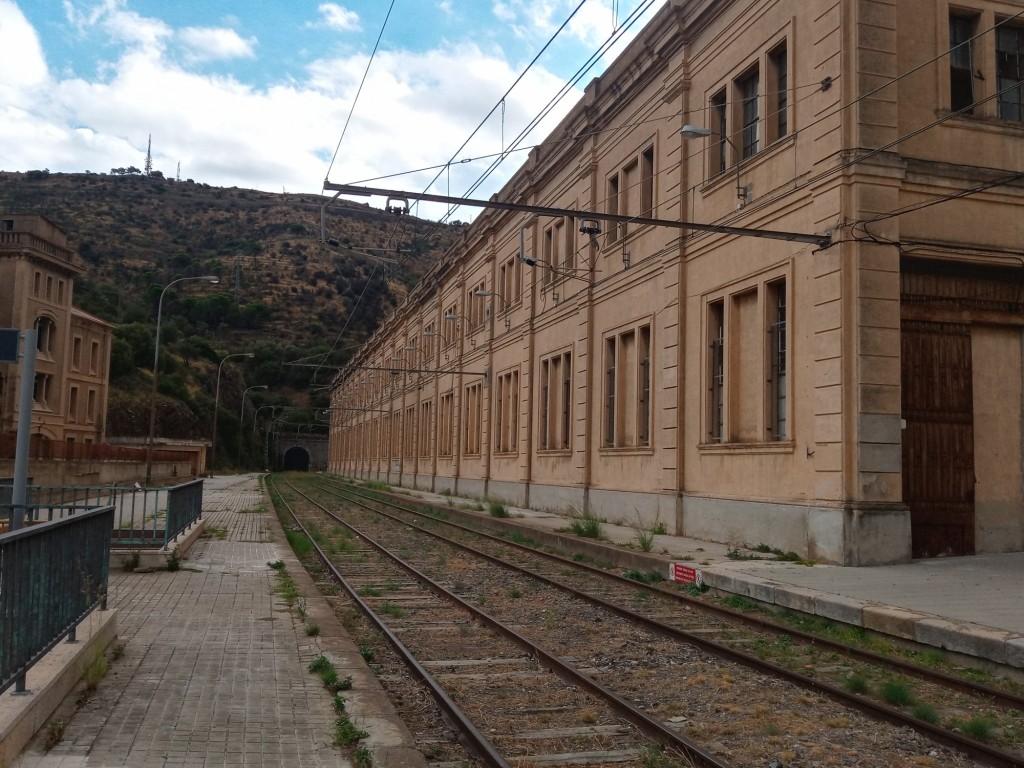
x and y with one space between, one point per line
19 493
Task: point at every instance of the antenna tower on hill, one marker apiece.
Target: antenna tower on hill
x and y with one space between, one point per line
149 156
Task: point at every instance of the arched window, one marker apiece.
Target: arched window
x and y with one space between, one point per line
46 330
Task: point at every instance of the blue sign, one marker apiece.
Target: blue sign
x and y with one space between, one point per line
9 345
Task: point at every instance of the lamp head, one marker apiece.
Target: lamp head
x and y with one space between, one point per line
694 131
481 292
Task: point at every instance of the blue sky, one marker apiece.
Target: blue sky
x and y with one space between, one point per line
256 94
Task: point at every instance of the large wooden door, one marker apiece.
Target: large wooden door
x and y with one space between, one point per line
938 442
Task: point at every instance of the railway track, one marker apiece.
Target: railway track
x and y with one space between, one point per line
659 673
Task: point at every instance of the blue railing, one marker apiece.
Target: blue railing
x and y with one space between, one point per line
51 576
143 517
184 507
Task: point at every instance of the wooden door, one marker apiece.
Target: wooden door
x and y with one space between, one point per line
938 441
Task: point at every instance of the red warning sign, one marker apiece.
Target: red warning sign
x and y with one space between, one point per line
685 574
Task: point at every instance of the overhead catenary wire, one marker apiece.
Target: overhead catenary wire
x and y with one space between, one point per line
359 90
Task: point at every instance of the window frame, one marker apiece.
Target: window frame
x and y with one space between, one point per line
627 396
554 405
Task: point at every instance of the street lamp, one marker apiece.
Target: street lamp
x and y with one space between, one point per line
700 132
255 417
156 360
241 416
482 293
216 406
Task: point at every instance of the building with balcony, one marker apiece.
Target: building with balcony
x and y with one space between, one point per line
764 287
37 278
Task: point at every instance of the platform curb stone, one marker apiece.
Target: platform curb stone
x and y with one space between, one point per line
1015 652
848 610
963 637
892 620
796 598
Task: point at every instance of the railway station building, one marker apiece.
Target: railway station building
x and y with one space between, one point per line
828 361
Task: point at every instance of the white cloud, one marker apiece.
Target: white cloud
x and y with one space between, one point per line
122 25
415 110
21 55
337 17
209 44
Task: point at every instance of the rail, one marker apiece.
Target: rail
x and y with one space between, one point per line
51 576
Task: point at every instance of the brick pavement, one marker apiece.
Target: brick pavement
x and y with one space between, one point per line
214 665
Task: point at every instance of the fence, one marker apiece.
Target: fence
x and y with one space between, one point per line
143 517
51 449
51 576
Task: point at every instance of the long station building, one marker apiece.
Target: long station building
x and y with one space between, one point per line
762 285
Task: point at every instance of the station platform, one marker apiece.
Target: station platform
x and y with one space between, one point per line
213 666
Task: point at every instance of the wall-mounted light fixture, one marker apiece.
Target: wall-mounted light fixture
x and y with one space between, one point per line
699 132
482 293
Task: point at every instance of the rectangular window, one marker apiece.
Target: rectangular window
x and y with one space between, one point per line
429 342
425 424
611 204
60 291
643 416
36 283
552 252
41 389
506 413
610 380
647 183
90 412
510 281
627 397
409 431
719 147
476 305
76 353
1010 72
471 421
961 63
444 426
749 119
73 405
450 326
777 356
49 287
716 372
555 403
94 358
778 93
7 225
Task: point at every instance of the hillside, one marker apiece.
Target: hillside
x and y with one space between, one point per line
284 294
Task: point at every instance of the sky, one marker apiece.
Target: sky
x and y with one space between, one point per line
270 94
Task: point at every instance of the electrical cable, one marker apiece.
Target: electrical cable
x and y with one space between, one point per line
362 82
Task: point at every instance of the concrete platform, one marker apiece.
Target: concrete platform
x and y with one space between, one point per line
214 668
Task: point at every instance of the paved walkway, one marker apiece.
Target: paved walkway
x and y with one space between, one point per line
214 669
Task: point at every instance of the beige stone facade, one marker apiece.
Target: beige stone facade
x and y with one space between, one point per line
856 401
37 277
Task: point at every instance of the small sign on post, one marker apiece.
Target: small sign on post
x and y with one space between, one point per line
9 345
685 574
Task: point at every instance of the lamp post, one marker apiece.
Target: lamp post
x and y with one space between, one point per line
698 132
156 360
481 292
216 406
241 416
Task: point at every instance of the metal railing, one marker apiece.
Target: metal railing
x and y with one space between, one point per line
184 507
51 576
143 517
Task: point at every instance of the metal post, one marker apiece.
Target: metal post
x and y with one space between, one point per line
19 493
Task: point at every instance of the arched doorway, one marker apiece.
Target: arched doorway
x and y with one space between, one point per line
296 460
